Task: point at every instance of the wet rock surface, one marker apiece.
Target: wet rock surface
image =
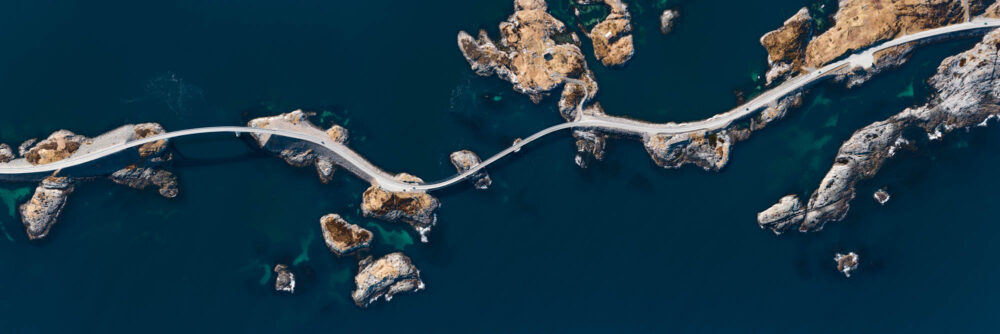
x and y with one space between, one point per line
384 278
413 207
535 51
59 145
846 263
300 153
284 280
463 161
667 19
140 178
343 238
45 205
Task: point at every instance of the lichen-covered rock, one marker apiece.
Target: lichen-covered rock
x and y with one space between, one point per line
385 277
284 280
60 145
413 207
612 37
667 20
464 160
881 196
846 263
528 54
709 151
42 211
786 213
786 46
6 153
344 238
300 153
140 178
589 146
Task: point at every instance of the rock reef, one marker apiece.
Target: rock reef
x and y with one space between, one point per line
42 211
284 280
881 196
667 20
612 37
385 277
140 178
535 52
413 207
463 161
343 238
846 263
300 153
966 96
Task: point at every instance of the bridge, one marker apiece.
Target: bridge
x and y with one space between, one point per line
361 167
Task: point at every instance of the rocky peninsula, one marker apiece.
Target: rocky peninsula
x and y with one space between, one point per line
966 96
413 207
343 238
389 275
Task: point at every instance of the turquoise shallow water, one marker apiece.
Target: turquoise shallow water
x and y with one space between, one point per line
621 246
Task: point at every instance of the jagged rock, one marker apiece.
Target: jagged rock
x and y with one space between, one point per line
464 160
344 238
709 151
152 149
786 46
23 148
284 280
777 110
296 152
60 145
612 37
881 196
140 178
413 207
847 263
6 153
883 60
965 96
589 146
528 54
385 277
42 211
786 213
667 20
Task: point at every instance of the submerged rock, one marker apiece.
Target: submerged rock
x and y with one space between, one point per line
413 207
140 178
385 277
847 263
6 153
464 160
528 54
42 211
881 196
60 145
786 213
710 151
344 238
612 37
667 20
284 280
300 153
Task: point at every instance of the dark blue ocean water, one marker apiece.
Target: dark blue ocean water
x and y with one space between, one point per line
623 246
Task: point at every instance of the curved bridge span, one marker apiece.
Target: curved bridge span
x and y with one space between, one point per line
358 165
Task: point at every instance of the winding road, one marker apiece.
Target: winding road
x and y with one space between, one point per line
358 165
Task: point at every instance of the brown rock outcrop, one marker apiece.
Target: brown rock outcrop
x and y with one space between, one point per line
140 178
709 151
786 46
296 152
612 37
343 238
385 277
153 149
412 207
667 20
528 54
42 211
6 153
284 280
60 145
464 160
846 263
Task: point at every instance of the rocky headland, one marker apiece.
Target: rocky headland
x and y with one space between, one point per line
45 205
612 37
966 96
463 161
412 207
343 238
385 277
284 280
296 152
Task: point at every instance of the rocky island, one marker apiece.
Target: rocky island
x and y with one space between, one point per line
48 201
389 275
414 208
464 160
344 238
846 263
285 279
